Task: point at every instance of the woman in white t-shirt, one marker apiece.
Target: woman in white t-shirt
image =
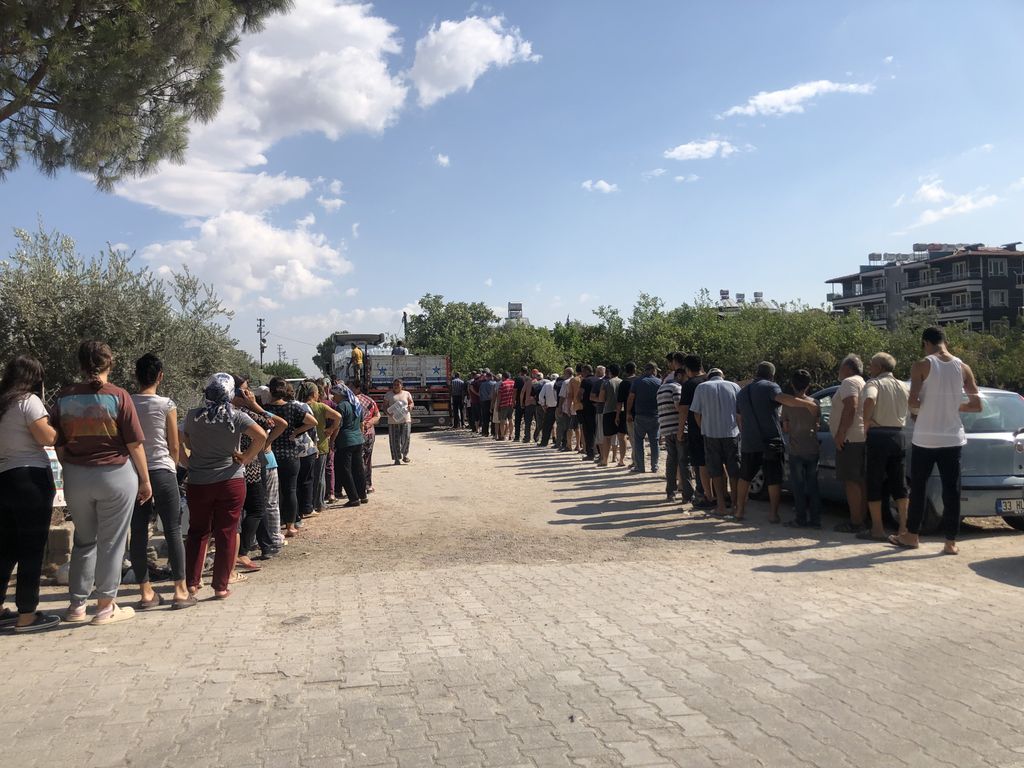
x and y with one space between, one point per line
26 491
159 418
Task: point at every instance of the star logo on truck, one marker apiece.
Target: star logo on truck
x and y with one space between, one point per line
382 371
437 371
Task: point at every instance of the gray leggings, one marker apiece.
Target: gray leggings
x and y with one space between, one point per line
101 501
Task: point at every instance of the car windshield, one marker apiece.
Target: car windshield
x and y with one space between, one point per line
999 413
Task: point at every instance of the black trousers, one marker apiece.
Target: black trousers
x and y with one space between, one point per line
473 414
288 484
457 419
589 418
167 501
519 414
26 504
350 465
548 423
485 417
922 462
253 510
306 484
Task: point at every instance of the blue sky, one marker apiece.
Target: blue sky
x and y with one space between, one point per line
367 155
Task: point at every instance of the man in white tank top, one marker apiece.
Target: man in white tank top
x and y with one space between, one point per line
938 384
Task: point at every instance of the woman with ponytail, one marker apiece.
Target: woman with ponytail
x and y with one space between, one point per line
26 491
100 445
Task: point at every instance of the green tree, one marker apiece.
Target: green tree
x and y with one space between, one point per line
284 369
51 298
518 345
109 88
455 328
324 357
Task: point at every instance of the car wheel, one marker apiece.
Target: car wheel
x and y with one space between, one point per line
1017 523
758 489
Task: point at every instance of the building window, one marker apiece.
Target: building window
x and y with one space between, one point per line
999 326
997 267
961 300
960 270
998 298
858 289
878 284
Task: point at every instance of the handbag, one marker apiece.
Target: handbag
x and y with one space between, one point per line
774 447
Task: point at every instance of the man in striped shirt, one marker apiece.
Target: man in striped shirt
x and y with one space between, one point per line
668 423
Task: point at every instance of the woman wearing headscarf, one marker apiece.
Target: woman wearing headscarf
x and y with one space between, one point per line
100 445
348 447
216 480
287 451
371 416
159 418
26 492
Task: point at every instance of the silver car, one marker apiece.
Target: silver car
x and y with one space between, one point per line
992 464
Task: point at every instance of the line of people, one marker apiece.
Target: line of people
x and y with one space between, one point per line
246 468
718 436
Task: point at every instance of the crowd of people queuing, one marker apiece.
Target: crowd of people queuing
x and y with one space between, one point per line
249 468
717 435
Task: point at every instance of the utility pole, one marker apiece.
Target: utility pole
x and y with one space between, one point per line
280 353
260 327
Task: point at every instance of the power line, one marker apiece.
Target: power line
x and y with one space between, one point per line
289 338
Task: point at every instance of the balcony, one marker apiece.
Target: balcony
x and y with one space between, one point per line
965 306
940 283
850 297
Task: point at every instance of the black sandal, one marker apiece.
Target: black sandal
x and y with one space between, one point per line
41 622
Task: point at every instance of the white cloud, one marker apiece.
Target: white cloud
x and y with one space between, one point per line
355 231
933 193
1017 185
888 59
602 186
322 68
704 150
688 179
443 160
371 319
585 297
306 221
330 204
655 173
120 247
986 148
334 187
899 201
265 302
489 282
201 190
792 100
351 291
454 54
243 254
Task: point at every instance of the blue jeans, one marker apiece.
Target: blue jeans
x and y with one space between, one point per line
645 426
803 476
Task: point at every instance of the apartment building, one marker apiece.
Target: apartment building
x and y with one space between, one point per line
976 284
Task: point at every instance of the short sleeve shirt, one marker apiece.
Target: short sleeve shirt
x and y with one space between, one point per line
715 401
507 394
668 406
756 404
611 395
18 448
294 414
623 394
686 398
645 395
851 386
803 431
253 470
890 396
403 397
95 426
213 446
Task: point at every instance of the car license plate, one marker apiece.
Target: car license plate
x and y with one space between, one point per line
1010 506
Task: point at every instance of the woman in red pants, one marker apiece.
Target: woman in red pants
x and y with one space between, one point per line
216 480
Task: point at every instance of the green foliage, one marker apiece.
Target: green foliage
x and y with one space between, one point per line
801 337
284 369
324 357
51 298
109 88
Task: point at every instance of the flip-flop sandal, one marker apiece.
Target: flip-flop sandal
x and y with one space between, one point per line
188 602
248 567
8 618
956 551
895 541
145 605
222 595
42 621
237 578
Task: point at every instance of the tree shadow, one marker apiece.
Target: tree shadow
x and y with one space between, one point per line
1006 570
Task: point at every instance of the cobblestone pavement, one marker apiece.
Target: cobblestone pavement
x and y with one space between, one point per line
500 605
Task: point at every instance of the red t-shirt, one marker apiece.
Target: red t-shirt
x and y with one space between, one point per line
507 394
94 427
